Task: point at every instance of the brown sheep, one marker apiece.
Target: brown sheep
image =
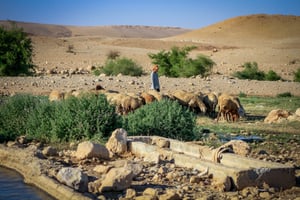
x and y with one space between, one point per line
131 103
56 95
148 98
211 101
228 108
190 100
156 94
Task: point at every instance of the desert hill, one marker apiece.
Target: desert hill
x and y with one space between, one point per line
246 29
49 30
273 41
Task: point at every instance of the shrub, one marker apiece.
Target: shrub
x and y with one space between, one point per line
163 118
15 52
175 63
39 121
272 76
250 72
285 94
14 112
87 117
117 66
297 75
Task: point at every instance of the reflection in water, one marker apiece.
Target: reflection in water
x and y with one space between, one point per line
12 187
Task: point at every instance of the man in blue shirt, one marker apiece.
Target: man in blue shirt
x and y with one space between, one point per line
154 79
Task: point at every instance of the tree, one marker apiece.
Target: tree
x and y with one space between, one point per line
15 52
175 63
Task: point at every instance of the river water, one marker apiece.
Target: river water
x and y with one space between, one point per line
12 187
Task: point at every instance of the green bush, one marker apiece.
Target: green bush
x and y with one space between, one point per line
297 75
39 121
15 52
285 94
162 118
175 63
117 66
87 117
251 72
272 76
14 112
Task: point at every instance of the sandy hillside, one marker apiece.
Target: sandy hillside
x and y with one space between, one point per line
273 41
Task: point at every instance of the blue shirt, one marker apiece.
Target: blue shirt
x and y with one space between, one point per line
154 81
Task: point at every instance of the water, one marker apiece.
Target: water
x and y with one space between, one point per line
12 187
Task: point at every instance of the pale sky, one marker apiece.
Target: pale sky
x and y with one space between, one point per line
192 14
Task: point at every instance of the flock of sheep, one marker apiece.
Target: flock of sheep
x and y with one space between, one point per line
228 106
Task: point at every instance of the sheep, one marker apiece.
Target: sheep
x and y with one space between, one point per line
229 107
56 95
131 103
148 98
115 99
189 99
211 101
156 94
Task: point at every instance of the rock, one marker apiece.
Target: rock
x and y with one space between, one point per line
150 192
223 184
117 142
88 149
265 195
94 186
130 193
22 139
136 168
162 143
102 169
74 178
117 179
49 151
152 157
195 179
276 115
170 195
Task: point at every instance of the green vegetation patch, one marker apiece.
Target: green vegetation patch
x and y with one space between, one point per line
176 63
162 118
117 66
252 72
87 117
15 52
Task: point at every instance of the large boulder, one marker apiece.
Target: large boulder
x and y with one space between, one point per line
89 149
74 178
117 143
117 179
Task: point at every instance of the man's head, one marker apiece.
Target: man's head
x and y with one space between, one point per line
155 68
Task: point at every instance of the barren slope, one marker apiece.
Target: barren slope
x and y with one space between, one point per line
248 29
